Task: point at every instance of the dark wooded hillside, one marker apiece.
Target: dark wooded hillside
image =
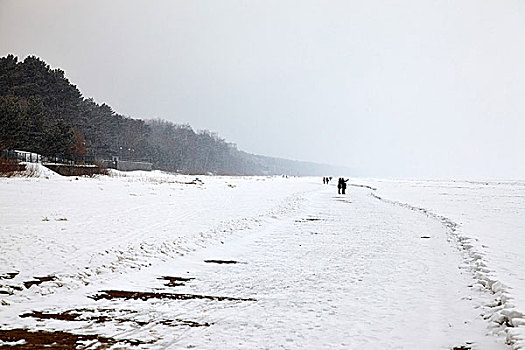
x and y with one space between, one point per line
41 111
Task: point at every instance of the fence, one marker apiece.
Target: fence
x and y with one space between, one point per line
22 156
31 157
70 159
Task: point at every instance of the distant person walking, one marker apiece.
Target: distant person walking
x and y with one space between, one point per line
341 185
324 180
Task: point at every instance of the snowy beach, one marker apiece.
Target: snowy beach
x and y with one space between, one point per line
153 260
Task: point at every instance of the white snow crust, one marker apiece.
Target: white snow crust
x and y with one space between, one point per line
391 265
488 220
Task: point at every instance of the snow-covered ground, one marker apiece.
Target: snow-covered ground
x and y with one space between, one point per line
153 260
489 222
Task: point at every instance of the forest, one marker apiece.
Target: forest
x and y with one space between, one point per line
42 112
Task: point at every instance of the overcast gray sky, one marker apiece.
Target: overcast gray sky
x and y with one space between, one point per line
388 88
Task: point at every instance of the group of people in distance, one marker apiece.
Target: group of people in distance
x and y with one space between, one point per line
341 184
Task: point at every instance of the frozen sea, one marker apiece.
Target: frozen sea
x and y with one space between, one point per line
489 217
156 261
